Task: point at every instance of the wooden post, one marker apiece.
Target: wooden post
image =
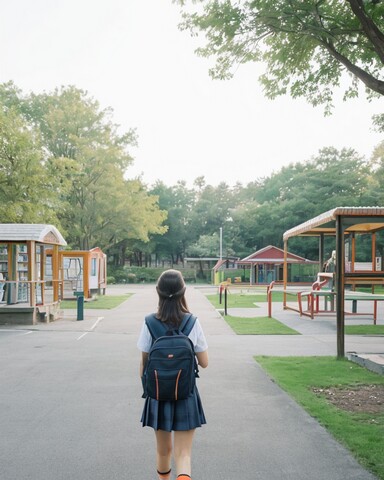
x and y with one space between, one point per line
285 273
321 251
55 272
86 272
373 239
31 249
340 260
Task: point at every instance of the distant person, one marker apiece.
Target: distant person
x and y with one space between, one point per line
181 417
331 268
2 285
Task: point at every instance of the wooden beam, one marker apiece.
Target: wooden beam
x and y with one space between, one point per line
340 261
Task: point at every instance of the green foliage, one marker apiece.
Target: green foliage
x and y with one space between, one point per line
63 161
301 191
299 375
305 46
146 274
25 193
88 156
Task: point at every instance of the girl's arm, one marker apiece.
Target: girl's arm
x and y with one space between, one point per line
144 358
202 359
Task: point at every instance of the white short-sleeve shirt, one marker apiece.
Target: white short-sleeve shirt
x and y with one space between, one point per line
197 337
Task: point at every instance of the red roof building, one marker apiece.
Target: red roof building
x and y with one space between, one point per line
266 265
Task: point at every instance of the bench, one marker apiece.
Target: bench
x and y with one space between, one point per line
48 312
354 297
315 293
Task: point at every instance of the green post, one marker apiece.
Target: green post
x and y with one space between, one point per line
80 305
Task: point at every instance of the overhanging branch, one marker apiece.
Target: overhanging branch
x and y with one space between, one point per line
371 82
371 30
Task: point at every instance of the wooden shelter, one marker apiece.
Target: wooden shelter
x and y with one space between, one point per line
83 271
344 223
29 280
267 264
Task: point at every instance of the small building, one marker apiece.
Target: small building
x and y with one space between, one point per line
29 272
83 271
267 265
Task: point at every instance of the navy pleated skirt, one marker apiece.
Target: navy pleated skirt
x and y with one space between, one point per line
170 416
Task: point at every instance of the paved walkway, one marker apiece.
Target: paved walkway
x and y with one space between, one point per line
70 401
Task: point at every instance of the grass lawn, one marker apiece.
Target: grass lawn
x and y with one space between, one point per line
102 302
258 326
360 431
364 329
379 289
239 300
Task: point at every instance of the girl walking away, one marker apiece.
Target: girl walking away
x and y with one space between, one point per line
174 419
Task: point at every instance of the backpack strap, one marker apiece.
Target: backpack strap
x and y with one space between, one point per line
158 329
187 324
155 327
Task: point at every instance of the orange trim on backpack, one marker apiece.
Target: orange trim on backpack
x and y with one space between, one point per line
177 384
157 385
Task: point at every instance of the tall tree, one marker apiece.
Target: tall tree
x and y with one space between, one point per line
178 201
306 45
25 189
211 211
88 158
300 191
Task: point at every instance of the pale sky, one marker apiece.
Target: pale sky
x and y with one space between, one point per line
130 56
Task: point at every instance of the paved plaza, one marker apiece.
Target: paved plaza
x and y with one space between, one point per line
70 399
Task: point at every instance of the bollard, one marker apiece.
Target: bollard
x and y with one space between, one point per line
80 305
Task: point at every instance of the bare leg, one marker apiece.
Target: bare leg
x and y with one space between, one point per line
163 450
183 451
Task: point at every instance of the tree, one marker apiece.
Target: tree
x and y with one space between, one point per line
300 191
88 159
306 45
178 201
25 188
211 210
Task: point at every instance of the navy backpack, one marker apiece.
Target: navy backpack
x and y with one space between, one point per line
171 370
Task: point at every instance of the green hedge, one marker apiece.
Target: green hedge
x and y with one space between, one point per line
147 275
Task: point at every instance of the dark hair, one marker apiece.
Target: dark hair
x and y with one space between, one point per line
172 303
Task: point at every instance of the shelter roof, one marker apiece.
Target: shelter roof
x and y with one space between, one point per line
271 254
360 220
22 232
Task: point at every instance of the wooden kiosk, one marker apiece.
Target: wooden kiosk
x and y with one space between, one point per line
83 271
29 275
344 223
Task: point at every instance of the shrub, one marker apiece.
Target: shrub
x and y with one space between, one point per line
147 274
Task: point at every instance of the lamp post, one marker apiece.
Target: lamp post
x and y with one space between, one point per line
221 243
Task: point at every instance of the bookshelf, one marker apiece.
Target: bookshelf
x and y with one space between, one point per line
18 256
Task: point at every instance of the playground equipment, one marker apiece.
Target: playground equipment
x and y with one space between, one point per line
343 223
307 302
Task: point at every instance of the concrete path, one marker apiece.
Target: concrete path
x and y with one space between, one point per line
70 400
